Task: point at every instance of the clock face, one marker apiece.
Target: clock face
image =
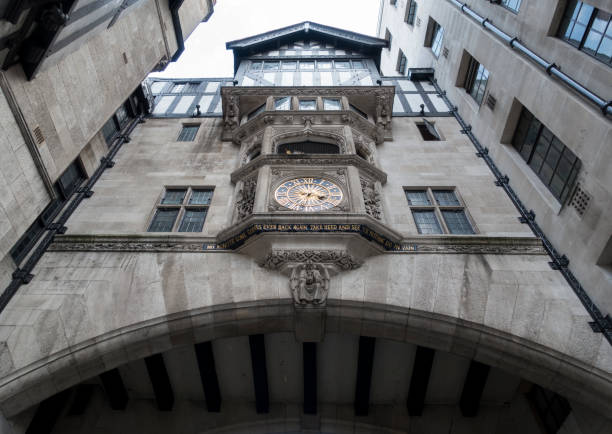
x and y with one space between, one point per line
308 194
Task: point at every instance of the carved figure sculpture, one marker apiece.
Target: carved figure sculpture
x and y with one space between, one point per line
371 198
231 120
309 284
383 112
246 199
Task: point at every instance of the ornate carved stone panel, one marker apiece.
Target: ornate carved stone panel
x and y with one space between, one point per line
371 198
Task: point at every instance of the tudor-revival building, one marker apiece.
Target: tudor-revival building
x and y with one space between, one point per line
308 246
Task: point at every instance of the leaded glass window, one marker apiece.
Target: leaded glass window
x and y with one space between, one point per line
307 65
411 8
193 220
438 211
182 210
437 36
188 133
289 65
270 66
401 62
513 5
163 220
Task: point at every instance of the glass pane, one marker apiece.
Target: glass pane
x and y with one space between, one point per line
163 220
282 103
201 197
324 65
446 197
289 65
417 197
270 66
193 220
341 64
358 64
307 65
256 66
457 222
331 104
308 104
188 133
174 197
426 222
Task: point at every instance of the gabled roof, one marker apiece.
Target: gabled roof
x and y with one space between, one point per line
368 45
306 27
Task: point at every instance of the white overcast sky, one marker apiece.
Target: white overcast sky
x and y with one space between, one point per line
205 54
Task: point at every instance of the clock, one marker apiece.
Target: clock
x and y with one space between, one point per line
308 194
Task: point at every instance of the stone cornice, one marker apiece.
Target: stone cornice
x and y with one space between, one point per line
326 161
414 245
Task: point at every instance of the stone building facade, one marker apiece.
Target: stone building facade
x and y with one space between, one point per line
308 246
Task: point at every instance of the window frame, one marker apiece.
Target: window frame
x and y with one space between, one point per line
569 21
185 135
438 210
527 146
410 15
402 61
471 84
181 208
435 43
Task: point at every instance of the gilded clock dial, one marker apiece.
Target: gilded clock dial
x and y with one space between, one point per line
308 194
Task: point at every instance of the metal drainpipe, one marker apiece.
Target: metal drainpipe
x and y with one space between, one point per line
550 68
23 275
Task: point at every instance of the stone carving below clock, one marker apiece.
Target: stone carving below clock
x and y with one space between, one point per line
245 199
309 284
371 198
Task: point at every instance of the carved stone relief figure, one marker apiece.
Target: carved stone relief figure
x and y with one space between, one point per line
383 112
309 284
232 119
371 198
246 199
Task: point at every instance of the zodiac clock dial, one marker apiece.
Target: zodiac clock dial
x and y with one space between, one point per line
308 194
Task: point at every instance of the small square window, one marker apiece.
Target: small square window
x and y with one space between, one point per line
446 198
174 197
308 104
164 220
417 198
193 220
283 103
332 104
428 130
188 133
200 197
426 222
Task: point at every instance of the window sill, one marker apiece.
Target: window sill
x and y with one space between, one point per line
536 184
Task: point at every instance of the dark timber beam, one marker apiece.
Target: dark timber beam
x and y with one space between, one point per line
475 381
114 388
160 382
310 377
365 360
260 373
208 376
421 370
82 397
47 413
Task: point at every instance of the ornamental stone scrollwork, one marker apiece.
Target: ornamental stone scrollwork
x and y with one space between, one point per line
309 284
371 198
340 259
245 199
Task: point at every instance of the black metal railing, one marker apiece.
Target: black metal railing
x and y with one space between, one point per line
559 262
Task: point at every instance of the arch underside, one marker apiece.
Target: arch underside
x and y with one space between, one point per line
459 338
